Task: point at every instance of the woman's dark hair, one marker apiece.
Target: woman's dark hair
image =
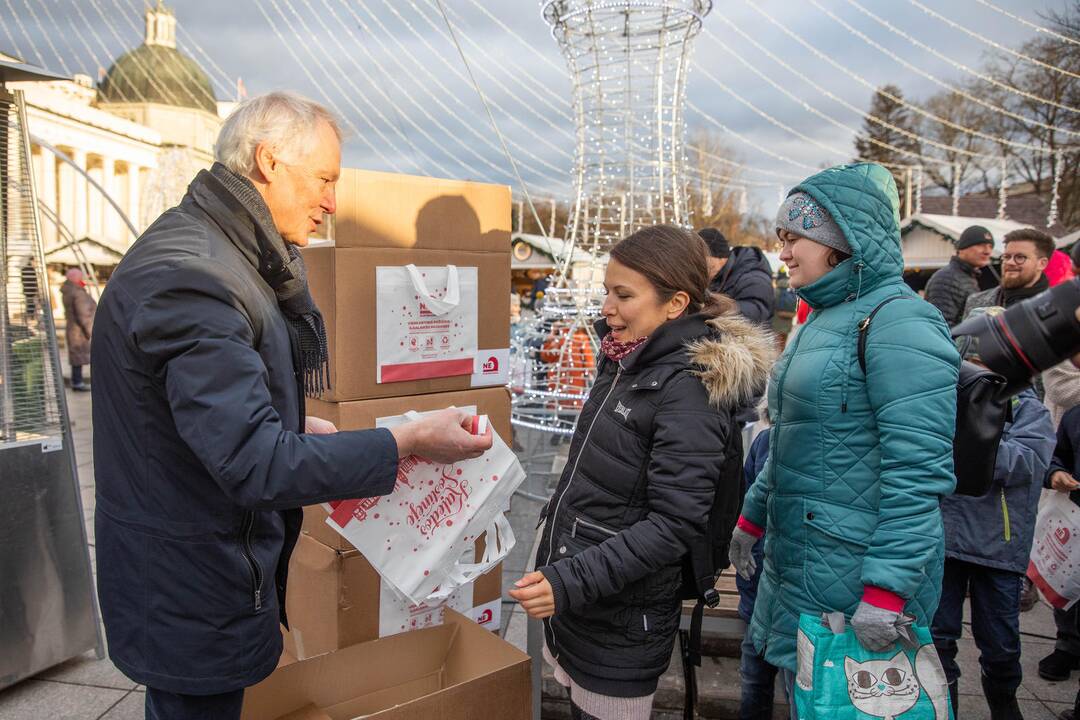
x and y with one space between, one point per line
836 257
673 259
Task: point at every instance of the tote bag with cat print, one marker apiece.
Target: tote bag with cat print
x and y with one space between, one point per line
839 679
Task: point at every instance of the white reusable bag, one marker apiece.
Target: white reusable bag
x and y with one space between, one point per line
426 322
1055 551
416 536
397 614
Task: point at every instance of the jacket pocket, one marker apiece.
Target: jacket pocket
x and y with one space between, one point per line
590 530
835 541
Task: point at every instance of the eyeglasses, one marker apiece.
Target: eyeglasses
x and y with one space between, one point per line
1016 259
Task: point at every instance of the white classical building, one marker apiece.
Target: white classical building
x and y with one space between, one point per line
141 135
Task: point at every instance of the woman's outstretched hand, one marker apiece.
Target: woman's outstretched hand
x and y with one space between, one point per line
535 595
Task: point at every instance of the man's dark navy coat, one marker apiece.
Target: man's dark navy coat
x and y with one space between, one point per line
199 456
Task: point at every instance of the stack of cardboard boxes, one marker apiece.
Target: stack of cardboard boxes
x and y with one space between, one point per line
334 595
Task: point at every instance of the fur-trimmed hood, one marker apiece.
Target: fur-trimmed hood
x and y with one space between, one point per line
734 363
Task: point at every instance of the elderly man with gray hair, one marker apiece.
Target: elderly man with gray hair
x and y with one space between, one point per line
206 341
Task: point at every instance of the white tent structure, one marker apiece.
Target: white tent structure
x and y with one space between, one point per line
1067 240
927 240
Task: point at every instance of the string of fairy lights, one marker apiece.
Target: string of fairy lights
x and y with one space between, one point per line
605 128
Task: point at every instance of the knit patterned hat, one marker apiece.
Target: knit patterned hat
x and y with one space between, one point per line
804 216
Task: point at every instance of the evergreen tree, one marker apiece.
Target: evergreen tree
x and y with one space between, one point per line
884 140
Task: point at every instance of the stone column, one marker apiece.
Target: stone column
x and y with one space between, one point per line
94 201
46 188
80 210
110 222
134 189
65 193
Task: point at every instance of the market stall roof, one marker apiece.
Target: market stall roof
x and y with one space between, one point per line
94 252
1067 240
15 71
952 226
927 240
537 251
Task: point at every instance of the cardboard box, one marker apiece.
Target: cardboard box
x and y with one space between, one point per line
363 414
334 596
454 672
388 210
342 281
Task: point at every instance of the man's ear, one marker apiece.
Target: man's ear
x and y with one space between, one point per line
266 162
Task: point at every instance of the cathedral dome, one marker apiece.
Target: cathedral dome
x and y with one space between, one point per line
156 72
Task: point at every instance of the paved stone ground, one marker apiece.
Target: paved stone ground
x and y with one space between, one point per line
87 688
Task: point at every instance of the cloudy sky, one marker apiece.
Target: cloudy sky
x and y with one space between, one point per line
389 68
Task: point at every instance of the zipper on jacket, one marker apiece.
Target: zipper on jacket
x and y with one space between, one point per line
1005 517
645 621
554 513
249 555
594 526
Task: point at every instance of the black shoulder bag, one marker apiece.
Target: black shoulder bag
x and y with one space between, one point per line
981 414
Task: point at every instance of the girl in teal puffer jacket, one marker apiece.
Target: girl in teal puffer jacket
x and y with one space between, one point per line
857 462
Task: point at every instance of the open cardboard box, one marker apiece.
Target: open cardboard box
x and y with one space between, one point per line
334 599
342 282
363 415
457 671
378 209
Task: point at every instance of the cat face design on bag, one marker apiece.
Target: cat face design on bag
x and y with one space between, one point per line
882 688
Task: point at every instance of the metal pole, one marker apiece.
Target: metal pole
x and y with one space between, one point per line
7 402
61 399
907 192
534 643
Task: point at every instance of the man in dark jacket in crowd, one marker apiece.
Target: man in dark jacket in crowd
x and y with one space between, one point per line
207 339
1026 255
950 287
741 273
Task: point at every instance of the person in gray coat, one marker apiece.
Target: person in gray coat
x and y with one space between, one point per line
987 545
950 287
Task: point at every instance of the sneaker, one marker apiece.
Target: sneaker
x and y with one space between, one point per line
81 388
1066 715
1058 665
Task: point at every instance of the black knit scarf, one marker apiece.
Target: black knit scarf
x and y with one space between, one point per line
1007 297
281 265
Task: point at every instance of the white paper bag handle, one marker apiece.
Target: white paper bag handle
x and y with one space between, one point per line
497 545
439 306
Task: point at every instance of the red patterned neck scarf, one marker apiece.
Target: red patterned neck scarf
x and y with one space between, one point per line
616 350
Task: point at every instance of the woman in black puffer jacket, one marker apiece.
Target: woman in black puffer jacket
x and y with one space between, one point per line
645 465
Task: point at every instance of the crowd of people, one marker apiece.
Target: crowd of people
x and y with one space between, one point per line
951 547
846 496
207 337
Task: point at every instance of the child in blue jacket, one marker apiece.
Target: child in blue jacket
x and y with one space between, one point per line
758 676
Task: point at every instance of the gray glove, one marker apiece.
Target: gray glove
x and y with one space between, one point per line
740 555
874 627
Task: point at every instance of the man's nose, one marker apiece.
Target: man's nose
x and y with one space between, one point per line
329 201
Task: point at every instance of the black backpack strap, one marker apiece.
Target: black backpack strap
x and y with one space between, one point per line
689 674
864 329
